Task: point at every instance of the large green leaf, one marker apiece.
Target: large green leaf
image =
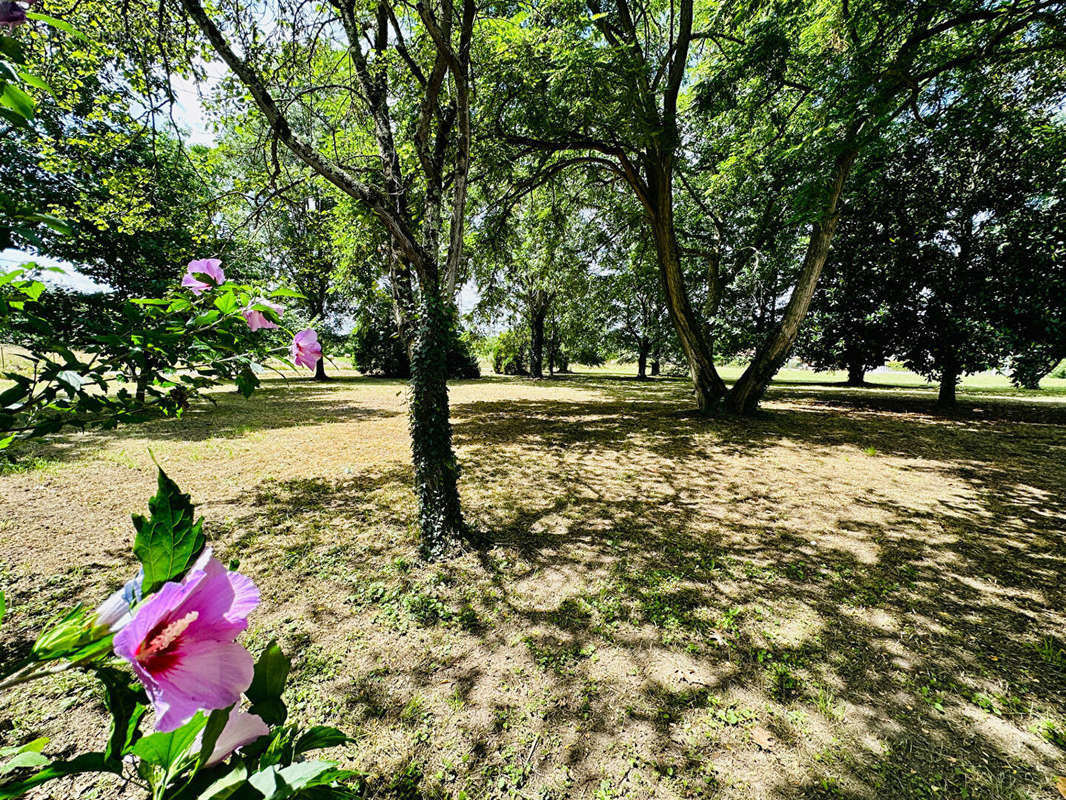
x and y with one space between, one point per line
318 737
17 100
268 683
164 756
170 539
278 783
89 762
226 785
127 703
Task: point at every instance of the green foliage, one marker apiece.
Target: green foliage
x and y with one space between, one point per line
377 348
509 352
268 683
169 539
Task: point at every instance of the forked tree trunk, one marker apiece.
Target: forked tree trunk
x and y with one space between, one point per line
744 397
707 384
436 468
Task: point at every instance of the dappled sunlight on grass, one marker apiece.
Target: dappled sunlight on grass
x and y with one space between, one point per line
846 596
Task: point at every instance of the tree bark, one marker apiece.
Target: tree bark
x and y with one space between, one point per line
320 370
436 467
642 358
536 342
744 397
655 367
707 384
856 373
949 379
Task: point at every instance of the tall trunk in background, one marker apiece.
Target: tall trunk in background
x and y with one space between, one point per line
642 357
440 140
536 340
320 370
744 397
856 372
949 379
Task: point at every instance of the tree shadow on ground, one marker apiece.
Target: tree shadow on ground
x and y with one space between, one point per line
219 415
839 598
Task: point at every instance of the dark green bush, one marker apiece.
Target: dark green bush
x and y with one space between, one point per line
377 348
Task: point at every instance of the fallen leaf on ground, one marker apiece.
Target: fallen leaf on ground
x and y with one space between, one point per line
762 737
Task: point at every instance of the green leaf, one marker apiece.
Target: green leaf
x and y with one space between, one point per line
28 755
35 82
12 49
268 683
170 539
167 755
279 783
17 100
24 760
318 737
59 24
287 293
60 226
226 303
127 703
3 606
226 785
89 762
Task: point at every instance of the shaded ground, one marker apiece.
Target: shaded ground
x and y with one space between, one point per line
847 597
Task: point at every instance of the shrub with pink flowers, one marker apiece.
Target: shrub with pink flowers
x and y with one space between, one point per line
193 715
209 331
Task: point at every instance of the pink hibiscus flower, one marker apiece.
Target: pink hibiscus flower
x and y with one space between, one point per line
305 350
211 267
181 642
258 319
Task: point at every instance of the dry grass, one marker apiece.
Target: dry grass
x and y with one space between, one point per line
846 597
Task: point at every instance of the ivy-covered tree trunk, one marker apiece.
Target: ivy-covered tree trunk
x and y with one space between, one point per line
436 467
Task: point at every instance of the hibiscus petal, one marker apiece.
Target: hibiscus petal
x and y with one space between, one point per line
153 611
207 675
222 601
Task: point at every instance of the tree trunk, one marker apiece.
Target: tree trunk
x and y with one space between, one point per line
436 468
320 370
536 342
655 367
949 379
744 397
856 373
708 385
642 359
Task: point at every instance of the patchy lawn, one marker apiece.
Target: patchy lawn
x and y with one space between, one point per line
849 596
